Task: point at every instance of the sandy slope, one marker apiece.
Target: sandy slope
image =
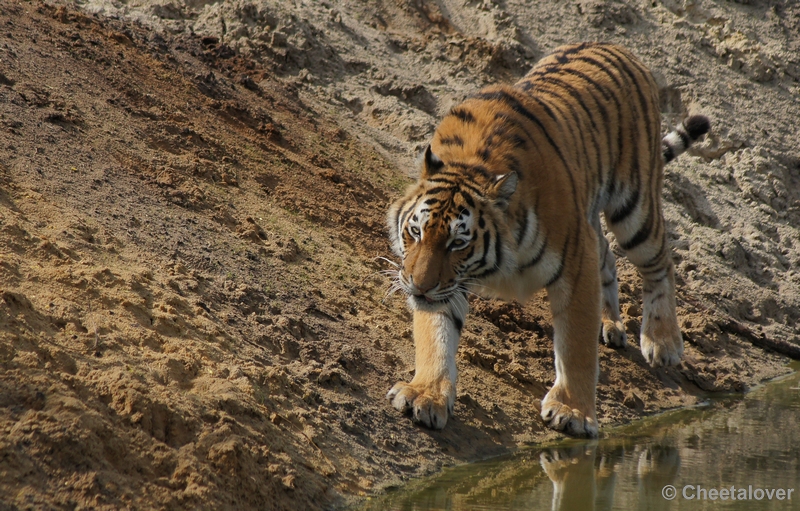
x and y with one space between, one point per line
191 203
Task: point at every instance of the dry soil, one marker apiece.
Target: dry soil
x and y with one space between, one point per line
192 197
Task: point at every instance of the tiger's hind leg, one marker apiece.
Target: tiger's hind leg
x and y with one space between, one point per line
641 232
613 329
661 340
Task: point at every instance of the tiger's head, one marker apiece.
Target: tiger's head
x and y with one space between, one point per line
449 231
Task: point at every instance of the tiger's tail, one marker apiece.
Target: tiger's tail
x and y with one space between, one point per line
676 142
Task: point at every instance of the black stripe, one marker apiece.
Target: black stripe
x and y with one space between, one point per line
576 197
627 208
602 109
403 216
605 67
655 261
508 121
685 139
607 95
654 271
668 153
467 167
467 198
447 183
543 70
536 258
572 50
487 238
481 169
463 115
458 322
454 185
452 140
524 227
471 251
514 165
640 237
622 62
576 120
482 262
579 265
440 189
520 109
612 188
454 174
498 253
576 95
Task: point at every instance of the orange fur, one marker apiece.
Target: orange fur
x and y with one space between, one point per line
508 203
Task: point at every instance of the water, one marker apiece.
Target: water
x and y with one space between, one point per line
749 447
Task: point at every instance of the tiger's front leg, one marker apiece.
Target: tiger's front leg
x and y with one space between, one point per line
575 303
431 394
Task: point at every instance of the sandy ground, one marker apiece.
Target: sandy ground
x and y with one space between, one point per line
191 207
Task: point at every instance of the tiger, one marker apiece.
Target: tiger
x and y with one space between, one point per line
508 202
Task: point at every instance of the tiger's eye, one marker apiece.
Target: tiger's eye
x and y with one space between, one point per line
457 243
414 230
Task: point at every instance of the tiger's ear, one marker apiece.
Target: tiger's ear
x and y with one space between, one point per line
503 188
431 164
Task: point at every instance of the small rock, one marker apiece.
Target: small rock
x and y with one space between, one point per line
288 482
633 401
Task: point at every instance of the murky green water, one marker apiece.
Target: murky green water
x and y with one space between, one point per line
737 453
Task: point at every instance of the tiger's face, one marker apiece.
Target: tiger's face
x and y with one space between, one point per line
437 237
447 230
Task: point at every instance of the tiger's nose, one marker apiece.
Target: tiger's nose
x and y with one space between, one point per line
422 288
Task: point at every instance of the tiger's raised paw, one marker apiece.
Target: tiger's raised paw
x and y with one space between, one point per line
429 408
571 421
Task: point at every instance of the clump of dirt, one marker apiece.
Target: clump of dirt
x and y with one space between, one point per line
192 197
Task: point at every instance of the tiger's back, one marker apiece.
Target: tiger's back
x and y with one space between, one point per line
584 124
517 176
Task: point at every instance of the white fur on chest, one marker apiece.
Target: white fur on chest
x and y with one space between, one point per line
521 285
524 279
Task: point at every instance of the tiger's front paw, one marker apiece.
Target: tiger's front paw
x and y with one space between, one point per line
574 421
559 462
429 406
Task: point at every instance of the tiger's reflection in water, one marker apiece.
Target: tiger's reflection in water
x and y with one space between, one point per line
584 475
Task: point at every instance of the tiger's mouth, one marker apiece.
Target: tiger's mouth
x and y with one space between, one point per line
426 303
428 299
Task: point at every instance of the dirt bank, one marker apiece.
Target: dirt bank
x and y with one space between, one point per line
191 206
